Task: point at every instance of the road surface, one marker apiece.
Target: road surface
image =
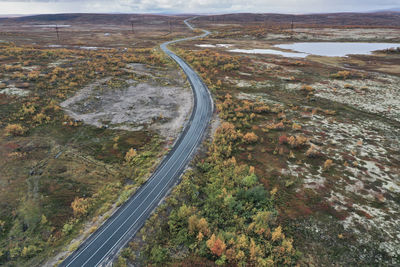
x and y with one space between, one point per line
102 246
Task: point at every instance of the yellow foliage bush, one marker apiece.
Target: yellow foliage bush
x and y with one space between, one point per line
277 234
343 74
80 206
33 75
28 109
130 155
15 130
40 118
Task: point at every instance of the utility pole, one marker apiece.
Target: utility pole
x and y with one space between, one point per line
265 23
169 24
132 27
291 27
58 36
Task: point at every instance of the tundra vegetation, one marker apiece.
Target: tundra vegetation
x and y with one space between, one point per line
315 140
303 168
59 175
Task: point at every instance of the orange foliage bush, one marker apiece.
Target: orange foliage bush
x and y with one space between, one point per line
313 151
328 164
276 126
250 138
307 88
344 74
216 245
297 141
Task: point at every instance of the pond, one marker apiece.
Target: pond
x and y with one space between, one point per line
212 46
269 51
337 49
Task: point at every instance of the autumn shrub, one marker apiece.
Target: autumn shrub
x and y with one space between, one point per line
41 118
216 245
307 89
130 155
250 138
225 136
53 106
313 151
261 108
80 206
328 164
297 141
343 74
348 86
198 225
276 126
33 75
28 109
296 126
15 130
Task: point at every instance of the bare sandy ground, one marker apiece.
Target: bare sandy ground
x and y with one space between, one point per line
160 102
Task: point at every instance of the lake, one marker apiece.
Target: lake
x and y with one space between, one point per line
329 49
269 51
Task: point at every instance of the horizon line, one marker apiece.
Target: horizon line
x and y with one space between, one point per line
200 13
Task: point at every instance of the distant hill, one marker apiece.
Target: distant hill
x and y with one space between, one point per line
391 19
113 19
383 18
389 10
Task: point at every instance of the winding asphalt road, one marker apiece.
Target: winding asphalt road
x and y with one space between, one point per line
102 246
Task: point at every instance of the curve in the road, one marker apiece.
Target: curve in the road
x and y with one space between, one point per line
102 246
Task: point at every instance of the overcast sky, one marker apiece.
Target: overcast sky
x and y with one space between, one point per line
192 6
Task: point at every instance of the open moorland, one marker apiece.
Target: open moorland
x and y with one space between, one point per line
302 162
